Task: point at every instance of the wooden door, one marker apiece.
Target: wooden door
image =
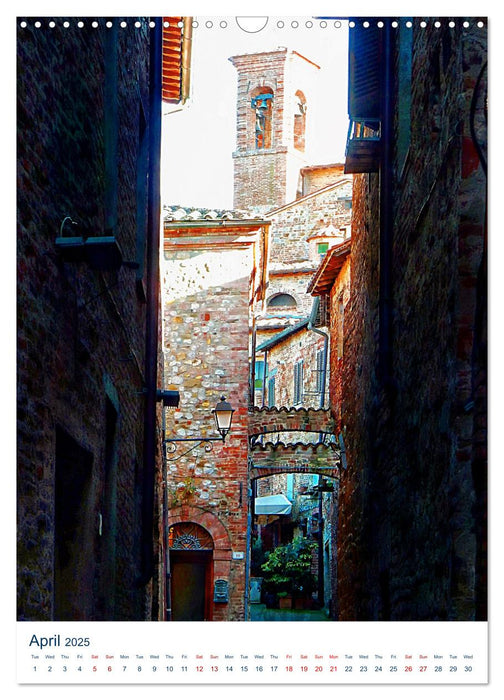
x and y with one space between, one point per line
191 585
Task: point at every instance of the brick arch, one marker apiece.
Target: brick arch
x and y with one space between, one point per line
279 420
222 550
267 136
263 472
284 290
269 459
299 121
261 84
329 473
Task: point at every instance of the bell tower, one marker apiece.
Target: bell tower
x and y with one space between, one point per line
272 114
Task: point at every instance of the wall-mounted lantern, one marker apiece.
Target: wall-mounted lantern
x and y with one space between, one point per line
223 414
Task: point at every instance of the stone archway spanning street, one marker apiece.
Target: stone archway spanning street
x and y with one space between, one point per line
276 420
285 441
320 456
270 458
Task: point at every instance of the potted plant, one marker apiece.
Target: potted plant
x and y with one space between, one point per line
284 600
287 570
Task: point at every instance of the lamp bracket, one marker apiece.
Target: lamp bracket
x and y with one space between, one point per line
172 444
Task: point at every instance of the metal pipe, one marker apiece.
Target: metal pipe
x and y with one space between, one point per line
248 550
386 213
153 303
167 608
320 572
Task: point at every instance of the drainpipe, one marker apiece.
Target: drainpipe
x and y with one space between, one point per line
250 497
320 572
386 214
252 365
167 602
152 311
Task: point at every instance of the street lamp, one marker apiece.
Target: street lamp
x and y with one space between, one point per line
223 413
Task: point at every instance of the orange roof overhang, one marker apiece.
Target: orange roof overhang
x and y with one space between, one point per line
177 36
329 269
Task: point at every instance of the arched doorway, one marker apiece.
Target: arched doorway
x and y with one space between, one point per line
191 566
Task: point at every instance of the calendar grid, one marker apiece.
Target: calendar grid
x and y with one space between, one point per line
365 653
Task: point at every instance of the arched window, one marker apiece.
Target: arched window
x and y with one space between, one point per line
281 300
299 121
262 105
189 536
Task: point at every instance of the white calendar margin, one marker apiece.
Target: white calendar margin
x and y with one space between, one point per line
126 653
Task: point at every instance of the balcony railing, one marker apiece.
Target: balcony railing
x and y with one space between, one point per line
363 146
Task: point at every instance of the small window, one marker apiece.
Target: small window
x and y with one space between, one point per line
322 248
259 374
281 300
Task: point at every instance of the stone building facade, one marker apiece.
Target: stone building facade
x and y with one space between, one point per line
87 366
412 520
316 177
214 277
295 361
302 232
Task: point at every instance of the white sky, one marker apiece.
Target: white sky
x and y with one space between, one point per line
198 142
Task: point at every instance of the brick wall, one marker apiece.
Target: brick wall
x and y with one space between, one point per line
340 297
80 331
319 176
408 547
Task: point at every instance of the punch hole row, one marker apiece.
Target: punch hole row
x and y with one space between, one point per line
409 23
223 24
96 24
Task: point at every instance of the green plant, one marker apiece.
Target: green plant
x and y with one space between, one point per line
287 568
182 493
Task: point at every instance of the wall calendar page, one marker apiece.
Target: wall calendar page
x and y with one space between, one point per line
252 350
269 653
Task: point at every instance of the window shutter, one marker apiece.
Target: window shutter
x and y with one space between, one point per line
364 72
298 382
